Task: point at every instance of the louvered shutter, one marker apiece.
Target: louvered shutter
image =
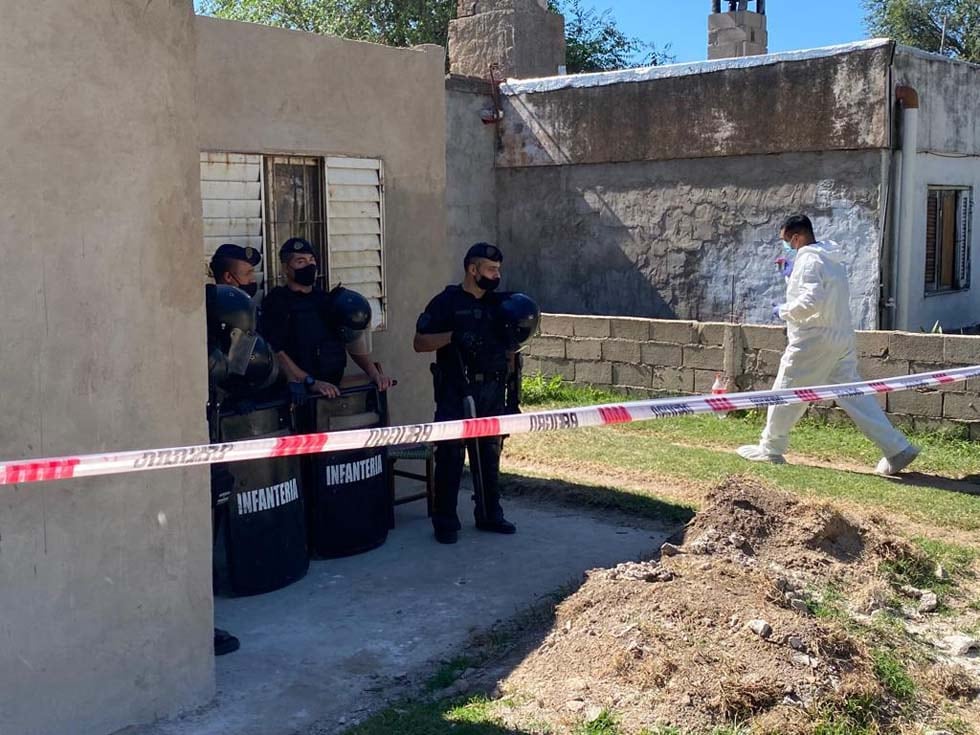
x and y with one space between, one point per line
355 229
963 240
932 240
231 193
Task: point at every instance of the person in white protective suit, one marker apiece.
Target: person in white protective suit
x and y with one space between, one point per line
821 351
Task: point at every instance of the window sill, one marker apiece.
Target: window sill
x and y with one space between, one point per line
949 292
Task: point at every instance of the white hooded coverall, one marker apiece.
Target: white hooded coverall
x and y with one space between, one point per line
821 350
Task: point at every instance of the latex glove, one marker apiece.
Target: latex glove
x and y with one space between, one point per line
785 266
775 311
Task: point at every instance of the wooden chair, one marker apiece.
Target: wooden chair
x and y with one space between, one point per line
419 452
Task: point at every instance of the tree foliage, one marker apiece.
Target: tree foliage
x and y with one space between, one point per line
921 23
391 22
593 40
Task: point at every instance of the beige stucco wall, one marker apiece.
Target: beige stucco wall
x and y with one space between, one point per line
105 586
471 200
267 90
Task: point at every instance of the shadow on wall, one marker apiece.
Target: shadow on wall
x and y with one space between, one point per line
694 239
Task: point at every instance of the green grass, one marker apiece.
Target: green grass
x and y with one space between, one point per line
857 715
921 571
891 672
697 450
448 673
957 726
604 724
598 497
813 438
704 466
537 390
829 605
469 716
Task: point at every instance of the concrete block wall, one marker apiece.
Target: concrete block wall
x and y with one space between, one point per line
648 357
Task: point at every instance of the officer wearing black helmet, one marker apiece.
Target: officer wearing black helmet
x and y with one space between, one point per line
231 322
470 328
313 331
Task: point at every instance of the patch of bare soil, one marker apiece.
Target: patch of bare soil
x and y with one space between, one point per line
592 475
720 629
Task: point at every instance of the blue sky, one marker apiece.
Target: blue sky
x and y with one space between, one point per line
793 24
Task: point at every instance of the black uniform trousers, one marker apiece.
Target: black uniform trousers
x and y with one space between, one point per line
489 398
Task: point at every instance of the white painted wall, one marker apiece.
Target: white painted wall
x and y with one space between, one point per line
961 308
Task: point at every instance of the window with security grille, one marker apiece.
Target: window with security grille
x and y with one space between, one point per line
335 202
294 205
949 214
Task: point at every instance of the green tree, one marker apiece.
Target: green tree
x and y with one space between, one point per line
391 22
950 27
593 40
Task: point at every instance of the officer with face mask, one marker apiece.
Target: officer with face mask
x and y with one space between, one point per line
233 265
298 321
464 326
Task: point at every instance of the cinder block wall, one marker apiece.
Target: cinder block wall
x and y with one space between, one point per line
648 357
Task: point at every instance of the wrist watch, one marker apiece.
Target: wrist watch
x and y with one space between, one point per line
308 382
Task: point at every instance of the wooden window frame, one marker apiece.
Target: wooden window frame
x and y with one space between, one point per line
947 264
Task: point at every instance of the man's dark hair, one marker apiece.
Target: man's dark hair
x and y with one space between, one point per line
798 224
220 266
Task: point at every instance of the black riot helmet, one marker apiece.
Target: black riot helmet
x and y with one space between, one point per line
261 371
230 314
239 360
350 314
517 318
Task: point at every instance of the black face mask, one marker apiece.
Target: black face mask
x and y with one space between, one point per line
250 288
305 276
487 284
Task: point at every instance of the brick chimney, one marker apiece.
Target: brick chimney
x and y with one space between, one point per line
738 31
522 36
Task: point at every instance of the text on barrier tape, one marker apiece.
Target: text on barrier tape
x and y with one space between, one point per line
92 465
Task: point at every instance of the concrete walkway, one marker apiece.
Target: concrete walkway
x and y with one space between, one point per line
356 631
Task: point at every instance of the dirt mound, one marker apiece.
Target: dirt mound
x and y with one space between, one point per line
719 629
741 517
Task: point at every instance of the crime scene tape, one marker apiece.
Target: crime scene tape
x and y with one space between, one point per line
93 465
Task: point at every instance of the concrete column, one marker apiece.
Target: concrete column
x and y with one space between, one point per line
522 36
105 584
739 32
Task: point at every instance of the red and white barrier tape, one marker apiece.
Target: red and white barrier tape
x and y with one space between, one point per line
92 465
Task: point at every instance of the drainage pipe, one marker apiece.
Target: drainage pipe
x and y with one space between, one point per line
904 252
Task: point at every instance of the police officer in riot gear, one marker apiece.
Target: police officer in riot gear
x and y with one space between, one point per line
231 332
311 330
474 344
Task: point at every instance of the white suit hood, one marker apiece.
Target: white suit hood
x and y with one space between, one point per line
817 294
